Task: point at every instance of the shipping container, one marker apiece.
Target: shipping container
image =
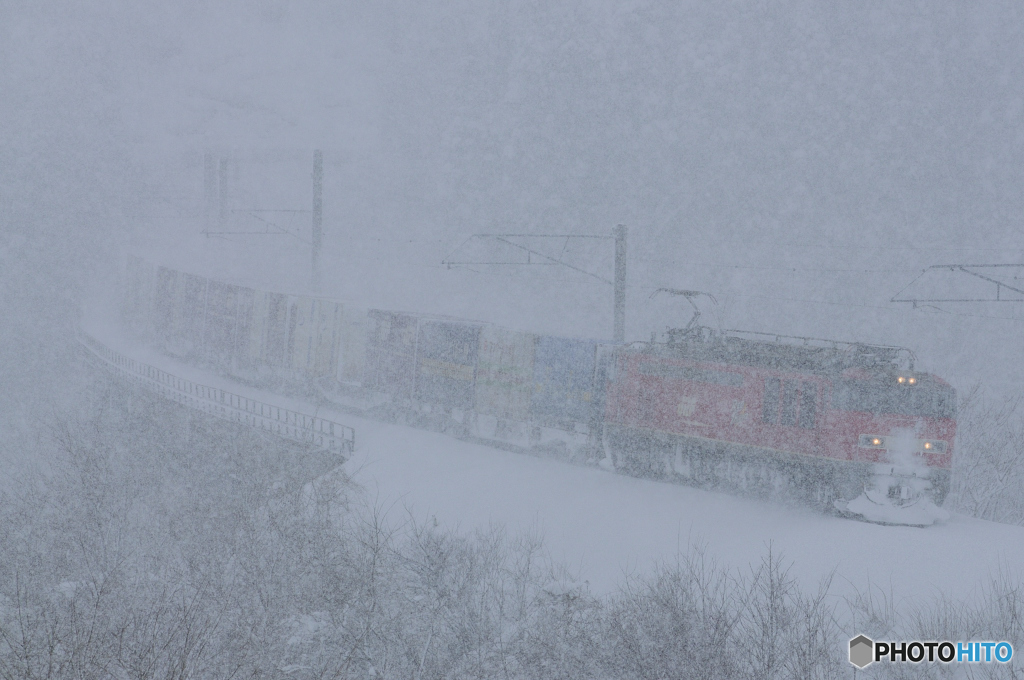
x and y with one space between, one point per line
252 341
327 343
563 376
391 353
192 291
504 374
446 356
314 335
275 330
221 322
351 361
301 334
166 304
140 279
245 317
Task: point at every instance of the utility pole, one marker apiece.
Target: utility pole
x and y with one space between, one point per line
619 310
318 216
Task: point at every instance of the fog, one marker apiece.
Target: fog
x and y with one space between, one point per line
802 163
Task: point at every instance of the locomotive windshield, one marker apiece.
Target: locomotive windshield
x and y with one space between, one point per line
929 401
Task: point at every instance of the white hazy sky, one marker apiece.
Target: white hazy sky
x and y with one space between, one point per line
802 161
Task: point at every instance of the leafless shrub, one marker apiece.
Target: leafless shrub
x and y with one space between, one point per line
166 545
988 463
995 612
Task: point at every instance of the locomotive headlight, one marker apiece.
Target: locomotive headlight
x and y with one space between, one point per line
911 380
901 380
933 445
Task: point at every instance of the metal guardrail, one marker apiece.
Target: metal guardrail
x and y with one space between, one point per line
214 401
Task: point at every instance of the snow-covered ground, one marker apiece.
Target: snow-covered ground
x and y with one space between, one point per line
604 525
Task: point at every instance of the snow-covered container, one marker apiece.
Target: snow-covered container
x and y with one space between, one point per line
221 322
314 329
446 360
563 376
136 306
504 378
351 362
391 353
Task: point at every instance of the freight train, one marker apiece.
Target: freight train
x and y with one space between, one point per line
850 427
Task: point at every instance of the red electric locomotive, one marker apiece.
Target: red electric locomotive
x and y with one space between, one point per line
851 427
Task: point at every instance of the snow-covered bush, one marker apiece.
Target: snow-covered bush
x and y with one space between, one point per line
994 613
163 544
988 463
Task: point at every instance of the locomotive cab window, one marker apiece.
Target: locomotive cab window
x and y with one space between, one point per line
930 400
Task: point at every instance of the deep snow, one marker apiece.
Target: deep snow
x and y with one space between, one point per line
604 525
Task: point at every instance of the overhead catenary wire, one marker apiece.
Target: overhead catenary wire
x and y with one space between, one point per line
860 247
530 252
891 310
966 269
772 298
822 270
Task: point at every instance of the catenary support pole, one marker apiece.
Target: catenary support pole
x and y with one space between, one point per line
318 209
620 284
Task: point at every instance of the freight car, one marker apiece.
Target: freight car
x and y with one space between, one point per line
851 427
